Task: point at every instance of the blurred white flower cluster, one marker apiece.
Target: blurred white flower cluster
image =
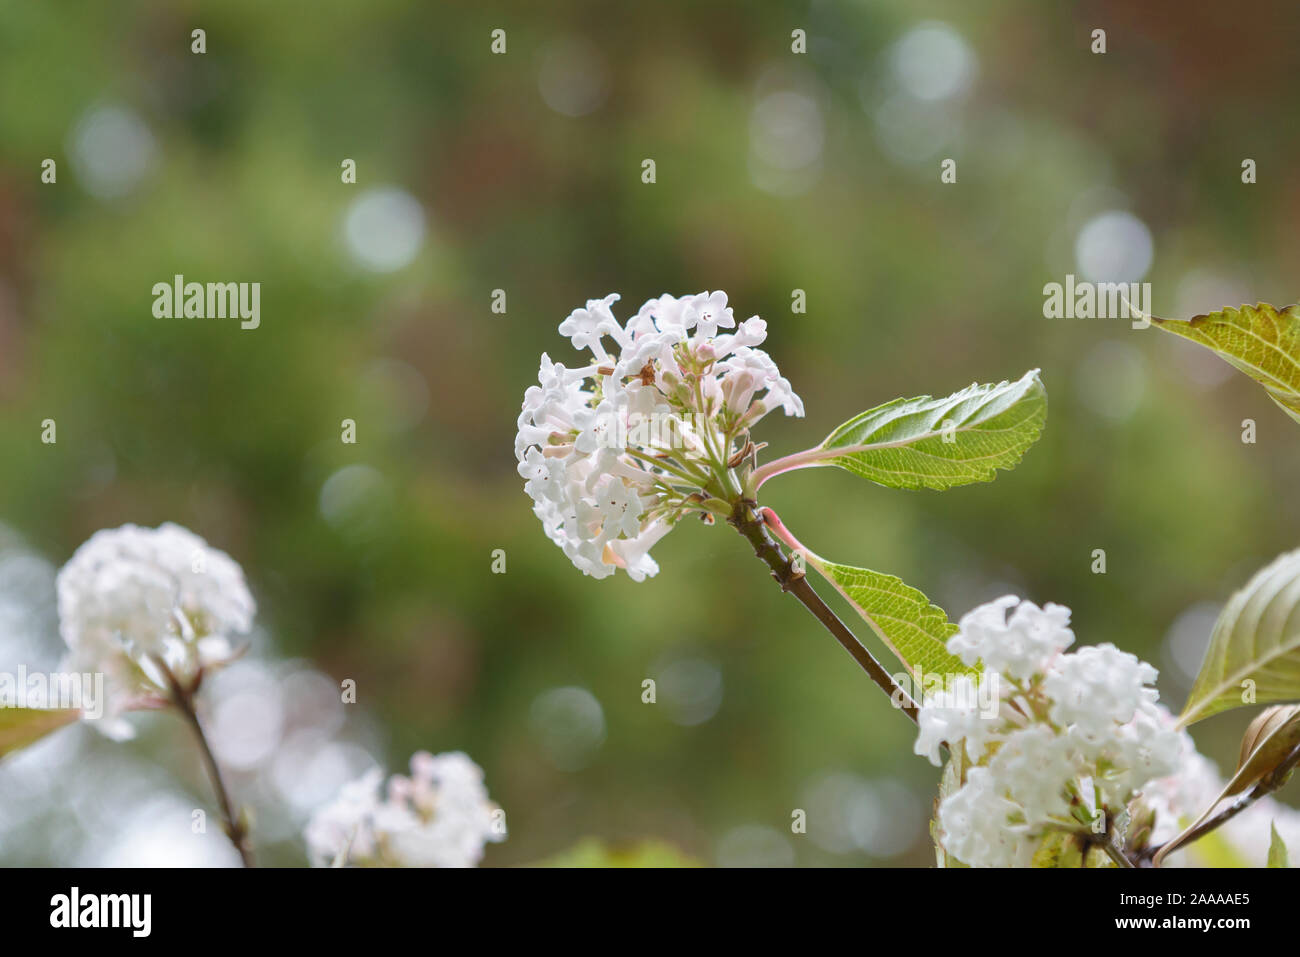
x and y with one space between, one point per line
132 597
647 429
1077 737
440 816
1177 800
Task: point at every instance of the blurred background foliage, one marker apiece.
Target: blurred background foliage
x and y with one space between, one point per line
522 172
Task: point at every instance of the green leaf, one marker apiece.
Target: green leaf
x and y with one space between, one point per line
1277 856
916 631
938 443
20 727
1256 639
1261 341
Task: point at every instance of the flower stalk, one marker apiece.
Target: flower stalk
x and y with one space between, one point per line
182 696
747 521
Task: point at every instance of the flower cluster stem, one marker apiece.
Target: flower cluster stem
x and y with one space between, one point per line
1116 854
746 520
183 698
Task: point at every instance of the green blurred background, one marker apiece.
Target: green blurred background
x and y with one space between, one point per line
522 172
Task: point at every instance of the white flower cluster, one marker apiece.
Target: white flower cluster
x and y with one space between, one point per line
440 816
606 485
130 597
1077 735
